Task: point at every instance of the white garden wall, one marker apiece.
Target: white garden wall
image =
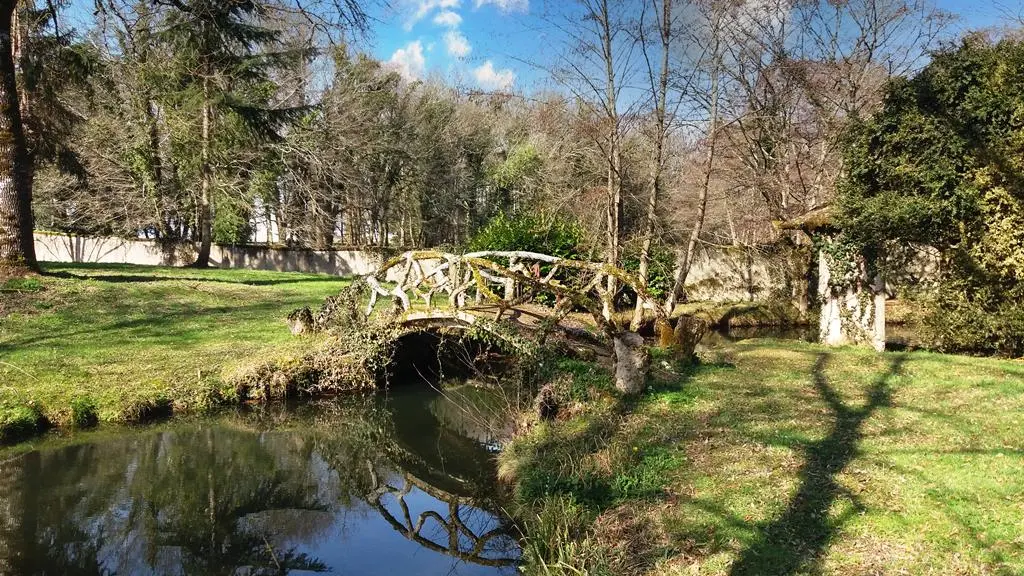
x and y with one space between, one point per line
717 275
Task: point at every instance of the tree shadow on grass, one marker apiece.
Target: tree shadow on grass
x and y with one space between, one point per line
167 324
184 277
801 534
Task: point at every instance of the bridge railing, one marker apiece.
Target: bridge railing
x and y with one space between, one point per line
507 279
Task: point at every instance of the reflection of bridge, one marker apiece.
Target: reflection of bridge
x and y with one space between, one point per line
454 526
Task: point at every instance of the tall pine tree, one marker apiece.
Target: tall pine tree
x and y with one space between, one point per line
225 56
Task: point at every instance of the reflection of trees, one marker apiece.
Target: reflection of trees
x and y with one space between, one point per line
220 500
164 503
28 537
196 502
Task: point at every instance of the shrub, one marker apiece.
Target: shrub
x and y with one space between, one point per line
659 276
557 236
84 413
939 165
959 320
18 423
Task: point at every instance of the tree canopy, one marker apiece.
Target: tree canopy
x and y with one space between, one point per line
942 165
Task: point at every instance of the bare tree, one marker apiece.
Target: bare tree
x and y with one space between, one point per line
712 16
658 76
600 62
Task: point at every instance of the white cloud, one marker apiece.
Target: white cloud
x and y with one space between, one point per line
490 79
447 18
507 6
424 7
409 60
457 44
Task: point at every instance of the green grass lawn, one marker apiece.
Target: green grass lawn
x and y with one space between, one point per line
122 337
779 458
789 458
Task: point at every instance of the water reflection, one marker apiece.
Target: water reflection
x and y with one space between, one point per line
371 486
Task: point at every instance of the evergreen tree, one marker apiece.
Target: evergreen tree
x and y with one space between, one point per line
225 55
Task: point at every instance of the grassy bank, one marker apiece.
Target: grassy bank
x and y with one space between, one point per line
782 458
116 342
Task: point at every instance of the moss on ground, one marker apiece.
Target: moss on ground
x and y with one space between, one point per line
791 459
87 343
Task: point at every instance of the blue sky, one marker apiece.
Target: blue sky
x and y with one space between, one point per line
479 43
496 44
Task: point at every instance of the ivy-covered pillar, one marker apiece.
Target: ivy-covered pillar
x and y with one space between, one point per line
851 291
851 286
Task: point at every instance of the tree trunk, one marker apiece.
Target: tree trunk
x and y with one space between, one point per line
660 97
17 249
632 360
159 188
205 209
614 183
684 258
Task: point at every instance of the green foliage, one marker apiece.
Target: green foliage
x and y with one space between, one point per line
557 542
964 316
585 378
660 272
84 412
554 236
21 285
518 169
231 224
18 422
943 165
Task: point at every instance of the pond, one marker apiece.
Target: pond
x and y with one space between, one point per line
402 483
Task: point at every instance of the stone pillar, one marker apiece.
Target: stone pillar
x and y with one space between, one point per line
852 309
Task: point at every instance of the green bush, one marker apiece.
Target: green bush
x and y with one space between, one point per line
975 322
940 165
660 272
556 236
84 413
18 423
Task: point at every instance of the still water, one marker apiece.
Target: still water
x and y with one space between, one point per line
396 484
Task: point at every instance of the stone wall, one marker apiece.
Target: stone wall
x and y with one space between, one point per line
732 275
63 248
723 275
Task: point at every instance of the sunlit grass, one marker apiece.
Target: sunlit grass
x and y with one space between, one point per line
127 338
798 459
